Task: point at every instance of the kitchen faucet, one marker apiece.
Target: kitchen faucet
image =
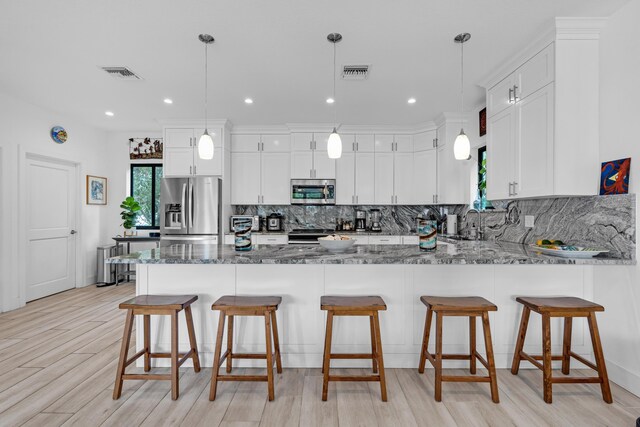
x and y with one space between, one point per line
479 232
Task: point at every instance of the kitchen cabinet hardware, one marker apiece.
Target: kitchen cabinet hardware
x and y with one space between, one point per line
510 95
73 232
515 94
353 146
190 170
195 169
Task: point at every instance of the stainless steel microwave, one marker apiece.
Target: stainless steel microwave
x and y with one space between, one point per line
313 191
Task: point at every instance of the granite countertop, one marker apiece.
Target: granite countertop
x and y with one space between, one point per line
458 252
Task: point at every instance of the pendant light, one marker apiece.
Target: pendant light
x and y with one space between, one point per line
334 145
462 146
205 143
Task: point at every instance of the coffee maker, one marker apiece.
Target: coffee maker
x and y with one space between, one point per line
376 220
361 220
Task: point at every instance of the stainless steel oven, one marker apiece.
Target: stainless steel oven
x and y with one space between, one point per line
313 191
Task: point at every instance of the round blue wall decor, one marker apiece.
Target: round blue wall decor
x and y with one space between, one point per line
58 134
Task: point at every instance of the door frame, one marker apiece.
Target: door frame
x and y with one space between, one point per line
24 157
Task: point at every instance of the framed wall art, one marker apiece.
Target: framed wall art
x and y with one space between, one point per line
96 190
482 120
614 177
145 148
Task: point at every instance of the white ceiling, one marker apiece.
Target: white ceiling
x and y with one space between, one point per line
273 51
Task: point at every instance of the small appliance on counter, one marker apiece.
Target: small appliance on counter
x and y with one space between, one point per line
235 220
275 222
376 220
361 220
452 225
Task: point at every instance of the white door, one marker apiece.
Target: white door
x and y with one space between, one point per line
384 178
51 228
500 96
383 143
500 140
178 161
403 178
426 174
345 179
245 178
177 137
276 177
324 167
404 143
365 178
301 164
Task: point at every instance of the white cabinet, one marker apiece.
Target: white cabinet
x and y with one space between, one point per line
388 143
355 171
542 127
181 153
393 168
403 178
310 159
260 169
385 240
365 178
425 168
410 240
346 179
384 179
271 239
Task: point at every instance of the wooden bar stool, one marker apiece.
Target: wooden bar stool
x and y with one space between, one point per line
567 307
147 305
231 306
471 307
354 306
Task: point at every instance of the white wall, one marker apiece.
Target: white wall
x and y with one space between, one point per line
618 288
25 129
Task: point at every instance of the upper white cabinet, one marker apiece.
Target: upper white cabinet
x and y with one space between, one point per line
309 158
355 171
260 171
542 118
181 153
453 175
388 143
425 168
393 169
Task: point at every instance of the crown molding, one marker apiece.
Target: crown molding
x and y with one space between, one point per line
260 129
199 123
579 28
457 118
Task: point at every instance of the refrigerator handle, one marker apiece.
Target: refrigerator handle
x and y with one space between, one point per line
190 204
184 195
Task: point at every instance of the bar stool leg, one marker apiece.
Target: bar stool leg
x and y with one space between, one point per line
566 346
276 341
546 357
490 359
438 358
124 351
425 341
216 358
147 342
326 365
374 356
472 344
383 383
524 322
230 345
175 386
599 356
192 339
267 330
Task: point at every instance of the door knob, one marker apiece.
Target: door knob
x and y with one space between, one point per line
73 231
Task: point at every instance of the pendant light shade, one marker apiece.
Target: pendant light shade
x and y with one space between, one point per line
205 146
334 145
205 143
462 146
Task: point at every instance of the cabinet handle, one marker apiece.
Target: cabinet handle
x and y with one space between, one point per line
511 189
190 170
515 186
515 94
353 146
510 95
195 170
357 200
258 146
357 146
262 146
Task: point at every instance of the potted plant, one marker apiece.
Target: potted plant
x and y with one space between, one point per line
130 209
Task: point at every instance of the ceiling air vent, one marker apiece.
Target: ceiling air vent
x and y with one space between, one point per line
355 72
122 73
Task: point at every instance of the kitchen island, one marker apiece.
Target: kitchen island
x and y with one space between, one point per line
398 273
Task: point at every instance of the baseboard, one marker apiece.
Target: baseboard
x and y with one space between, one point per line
623 377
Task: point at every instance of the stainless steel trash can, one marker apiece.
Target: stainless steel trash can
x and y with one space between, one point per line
106 272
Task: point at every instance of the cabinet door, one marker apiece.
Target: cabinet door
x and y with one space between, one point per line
175 137
403 178
213 166
321 140
301 164
534 145
383 143
178 161
384 178
348 143
365 178
245 178
245 143
424 140
500 96
276 178
345 179
301 141
500 141
425 176
536 73
276 143
404 143
365 143
385 240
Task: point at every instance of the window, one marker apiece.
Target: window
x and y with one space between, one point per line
481 202
145 188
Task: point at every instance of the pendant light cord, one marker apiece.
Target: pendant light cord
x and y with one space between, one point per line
461 81
335 107
206 86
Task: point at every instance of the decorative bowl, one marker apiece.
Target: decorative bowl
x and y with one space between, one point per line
332 245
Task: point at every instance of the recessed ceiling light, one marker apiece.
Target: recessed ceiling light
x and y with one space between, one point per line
411 100
330 101
168 101
248 101
109 113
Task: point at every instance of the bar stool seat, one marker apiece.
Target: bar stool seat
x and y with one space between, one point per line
231 306
147 305
354 306
471 307
568 308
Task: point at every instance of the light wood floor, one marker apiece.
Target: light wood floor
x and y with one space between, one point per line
58 361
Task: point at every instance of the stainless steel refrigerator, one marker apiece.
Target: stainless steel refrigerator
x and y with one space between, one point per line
189 210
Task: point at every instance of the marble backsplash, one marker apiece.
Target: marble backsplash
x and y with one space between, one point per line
603 222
